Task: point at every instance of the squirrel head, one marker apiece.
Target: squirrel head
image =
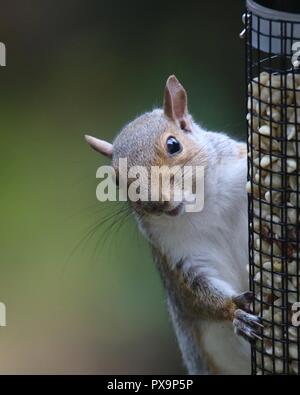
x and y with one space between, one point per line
164 137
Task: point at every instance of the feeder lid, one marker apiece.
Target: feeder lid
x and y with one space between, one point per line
286 10
268 34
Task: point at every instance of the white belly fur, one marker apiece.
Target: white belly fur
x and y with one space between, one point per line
230 354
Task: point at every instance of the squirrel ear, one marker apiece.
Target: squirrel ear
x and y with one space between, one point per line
175 102
100 146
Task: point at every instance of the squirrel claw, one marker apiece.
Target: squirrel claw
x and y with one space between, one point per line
249 336
248 318
247 325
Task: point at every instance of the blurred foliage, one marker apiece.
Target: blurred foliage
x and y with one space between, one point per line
84 300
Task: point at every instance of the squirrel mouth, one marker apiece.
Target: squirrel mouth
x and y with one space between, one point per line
176 211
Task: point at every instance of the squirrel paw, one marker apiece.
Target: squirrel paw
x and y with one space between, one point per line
244 301
247 325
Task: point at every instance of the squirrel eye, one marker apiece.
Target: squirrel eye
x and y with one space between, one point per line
173 146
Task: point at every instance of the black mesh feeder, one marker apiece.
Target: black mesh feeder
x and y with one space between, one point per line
272 34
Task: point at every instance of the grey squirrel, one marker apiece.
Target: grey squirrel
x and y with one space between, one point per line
202 257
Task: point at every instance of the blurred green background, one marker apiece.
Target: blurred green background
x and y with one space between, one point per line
82 299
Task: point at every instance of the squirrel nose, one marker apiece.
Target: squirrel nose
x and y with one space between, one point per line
156 207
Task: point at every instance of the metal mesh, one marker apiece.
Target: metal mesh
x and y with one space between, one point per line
273 121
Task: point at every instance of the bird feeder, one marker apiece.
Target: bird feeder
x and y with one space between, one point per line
272 35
